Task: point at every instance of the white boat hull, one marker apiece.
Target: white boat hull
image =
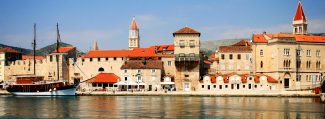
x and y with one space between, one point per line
63 92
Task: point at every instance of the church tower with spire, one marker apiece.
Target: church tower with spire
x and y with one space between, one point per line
134 37
299 21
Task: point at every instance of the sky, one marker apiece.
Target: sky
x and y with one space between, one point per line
107 21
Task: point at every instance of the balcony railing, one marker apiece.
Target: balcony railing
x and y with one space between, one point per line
187 57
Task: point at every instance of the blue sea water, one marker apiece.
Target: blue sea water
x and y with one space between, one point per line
90 107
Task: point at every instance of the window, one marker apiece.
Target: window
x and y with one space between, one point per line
106 58
139 71
214 86
125 78
307 78
239 56
51 58
220 86
192 44
298 64
298 79
139 79
125 71
247 56
181 43
308 64
261 52
298 52
169 63
186 75
318 53
83 60
230 56
308 53
101 69
286 52
318 64
90 59
153 70
261 64
202 86
98 59
222 56
114 58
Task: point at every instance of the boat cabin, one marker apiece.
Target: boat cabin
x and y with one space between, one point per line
28 79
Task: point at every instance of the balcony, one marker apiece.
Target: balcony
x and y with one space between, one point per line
187 57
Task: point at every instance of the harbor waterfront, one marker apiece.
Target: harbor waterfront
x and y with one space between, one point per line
159 107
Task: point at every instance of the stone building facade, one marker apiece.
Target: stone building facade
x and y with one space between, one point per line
295 60
235 58
187 59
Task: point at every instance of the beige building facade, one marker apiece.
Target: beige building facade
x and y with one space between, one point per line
187 59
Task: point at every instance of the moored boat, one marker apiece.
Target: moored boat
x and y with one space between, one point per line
31 85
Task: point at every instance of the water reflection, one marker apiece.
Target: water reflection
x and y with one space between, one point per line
159 107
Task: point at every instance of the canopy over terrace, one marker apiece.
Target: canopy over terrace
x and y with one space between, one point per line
103 80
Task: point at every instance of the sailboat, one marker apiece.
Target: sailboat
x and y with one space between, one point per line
33 85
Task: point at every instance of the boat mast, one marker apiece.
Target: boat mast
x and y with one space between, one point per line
34 48
57 50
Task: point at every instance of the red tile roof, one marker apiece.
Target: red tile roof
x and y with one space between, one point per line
226 49
314 39
25 57
142 52
165 47
107 53
186 30
135 53
104 78
141 64
242 43
244 78
259 38
213 79
9 50
300 15
256 78
65 49
134 25
225 79
271 80
241 46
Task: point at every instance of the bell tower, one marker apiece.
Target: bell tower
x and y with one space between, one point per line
299 21
134 37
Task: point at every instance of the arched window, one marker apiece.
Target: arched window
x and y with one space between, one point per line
101 69
261 64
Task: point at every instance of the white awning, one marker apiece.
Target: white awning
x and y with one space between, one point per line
142 83
131 83
120 83
167 83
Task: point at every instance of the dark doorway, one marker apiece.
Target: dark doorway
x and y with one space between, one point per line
150 87
286 83
208 87
232 86
249 86
76 81
237 86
